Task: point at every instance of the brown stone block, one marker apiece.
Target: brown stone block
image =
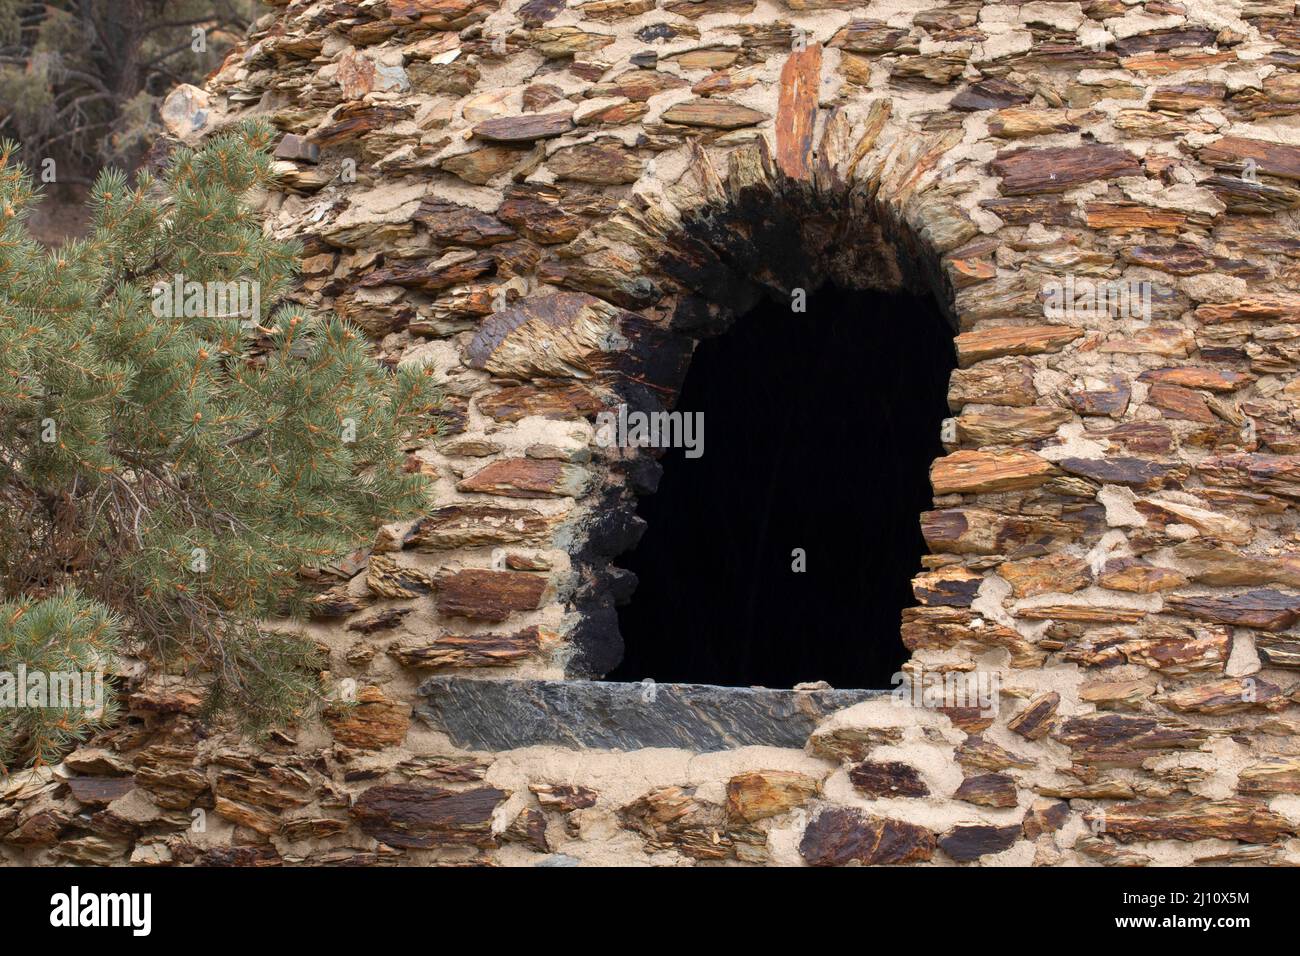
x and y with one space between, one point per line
417 816
602 164
472 526
1006 381
839 835
1010 426
984 344
1190 819
1266 610
1036 720
975 472
528 478
760 794
967 843
525 128
889 778
485 595
1056 573
469 650
718 114
1231 696
373 722
1058 168
1139 577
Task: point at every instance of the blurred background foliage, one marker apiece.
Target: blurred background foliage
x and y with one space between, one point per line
81 82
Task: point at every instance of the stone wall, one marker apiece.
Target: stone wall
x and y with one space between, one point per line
548 205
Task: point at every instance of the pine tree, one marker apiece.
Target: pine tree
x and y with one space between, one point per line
171 463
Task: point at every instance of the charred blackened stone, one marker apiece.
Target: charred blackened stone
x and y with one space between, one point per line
622 584
695 265
505 715
657 31
614 532
644 290
641 474
698 317
654 354
613 529
597 641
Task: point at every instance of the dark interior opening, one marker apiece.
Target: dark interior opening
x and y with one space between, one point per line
819 431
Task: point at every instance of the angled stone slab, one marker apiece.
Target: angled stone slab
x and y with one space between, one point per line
525 128
719 114
506 715
557 335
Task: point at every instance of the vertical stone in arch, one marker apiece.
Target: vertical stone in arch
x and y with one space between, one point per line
796 112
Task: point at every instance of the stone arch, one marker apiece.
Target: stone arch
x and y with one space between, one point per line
747 221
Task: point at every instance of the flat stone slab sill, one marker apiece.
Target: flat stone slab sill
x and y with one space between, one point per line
509 714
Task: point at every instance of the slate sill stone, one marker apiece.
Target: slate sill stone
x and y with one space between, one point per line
509 714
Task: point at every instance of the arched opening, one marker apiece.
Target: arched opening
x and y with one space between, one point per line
783 553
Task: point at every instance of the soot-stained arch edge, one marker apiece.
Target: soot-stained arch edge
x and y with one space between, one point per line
759 232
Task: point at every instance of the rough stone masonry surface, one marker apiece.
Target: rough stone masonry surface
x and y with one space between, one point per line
549 204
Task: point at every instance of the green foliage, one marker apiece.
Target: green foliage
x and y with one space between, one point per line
179 462
64 635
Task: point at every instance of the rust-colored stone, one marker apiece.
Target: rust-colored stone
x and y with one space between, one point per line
527 478
973 472
372 722
984 344
796 112
1190 819
1058 168
469 650
760 794
484 595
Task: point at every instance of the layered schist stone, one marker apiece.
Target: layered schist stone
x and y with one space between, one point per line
412 816
841 835
549 205
505 715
